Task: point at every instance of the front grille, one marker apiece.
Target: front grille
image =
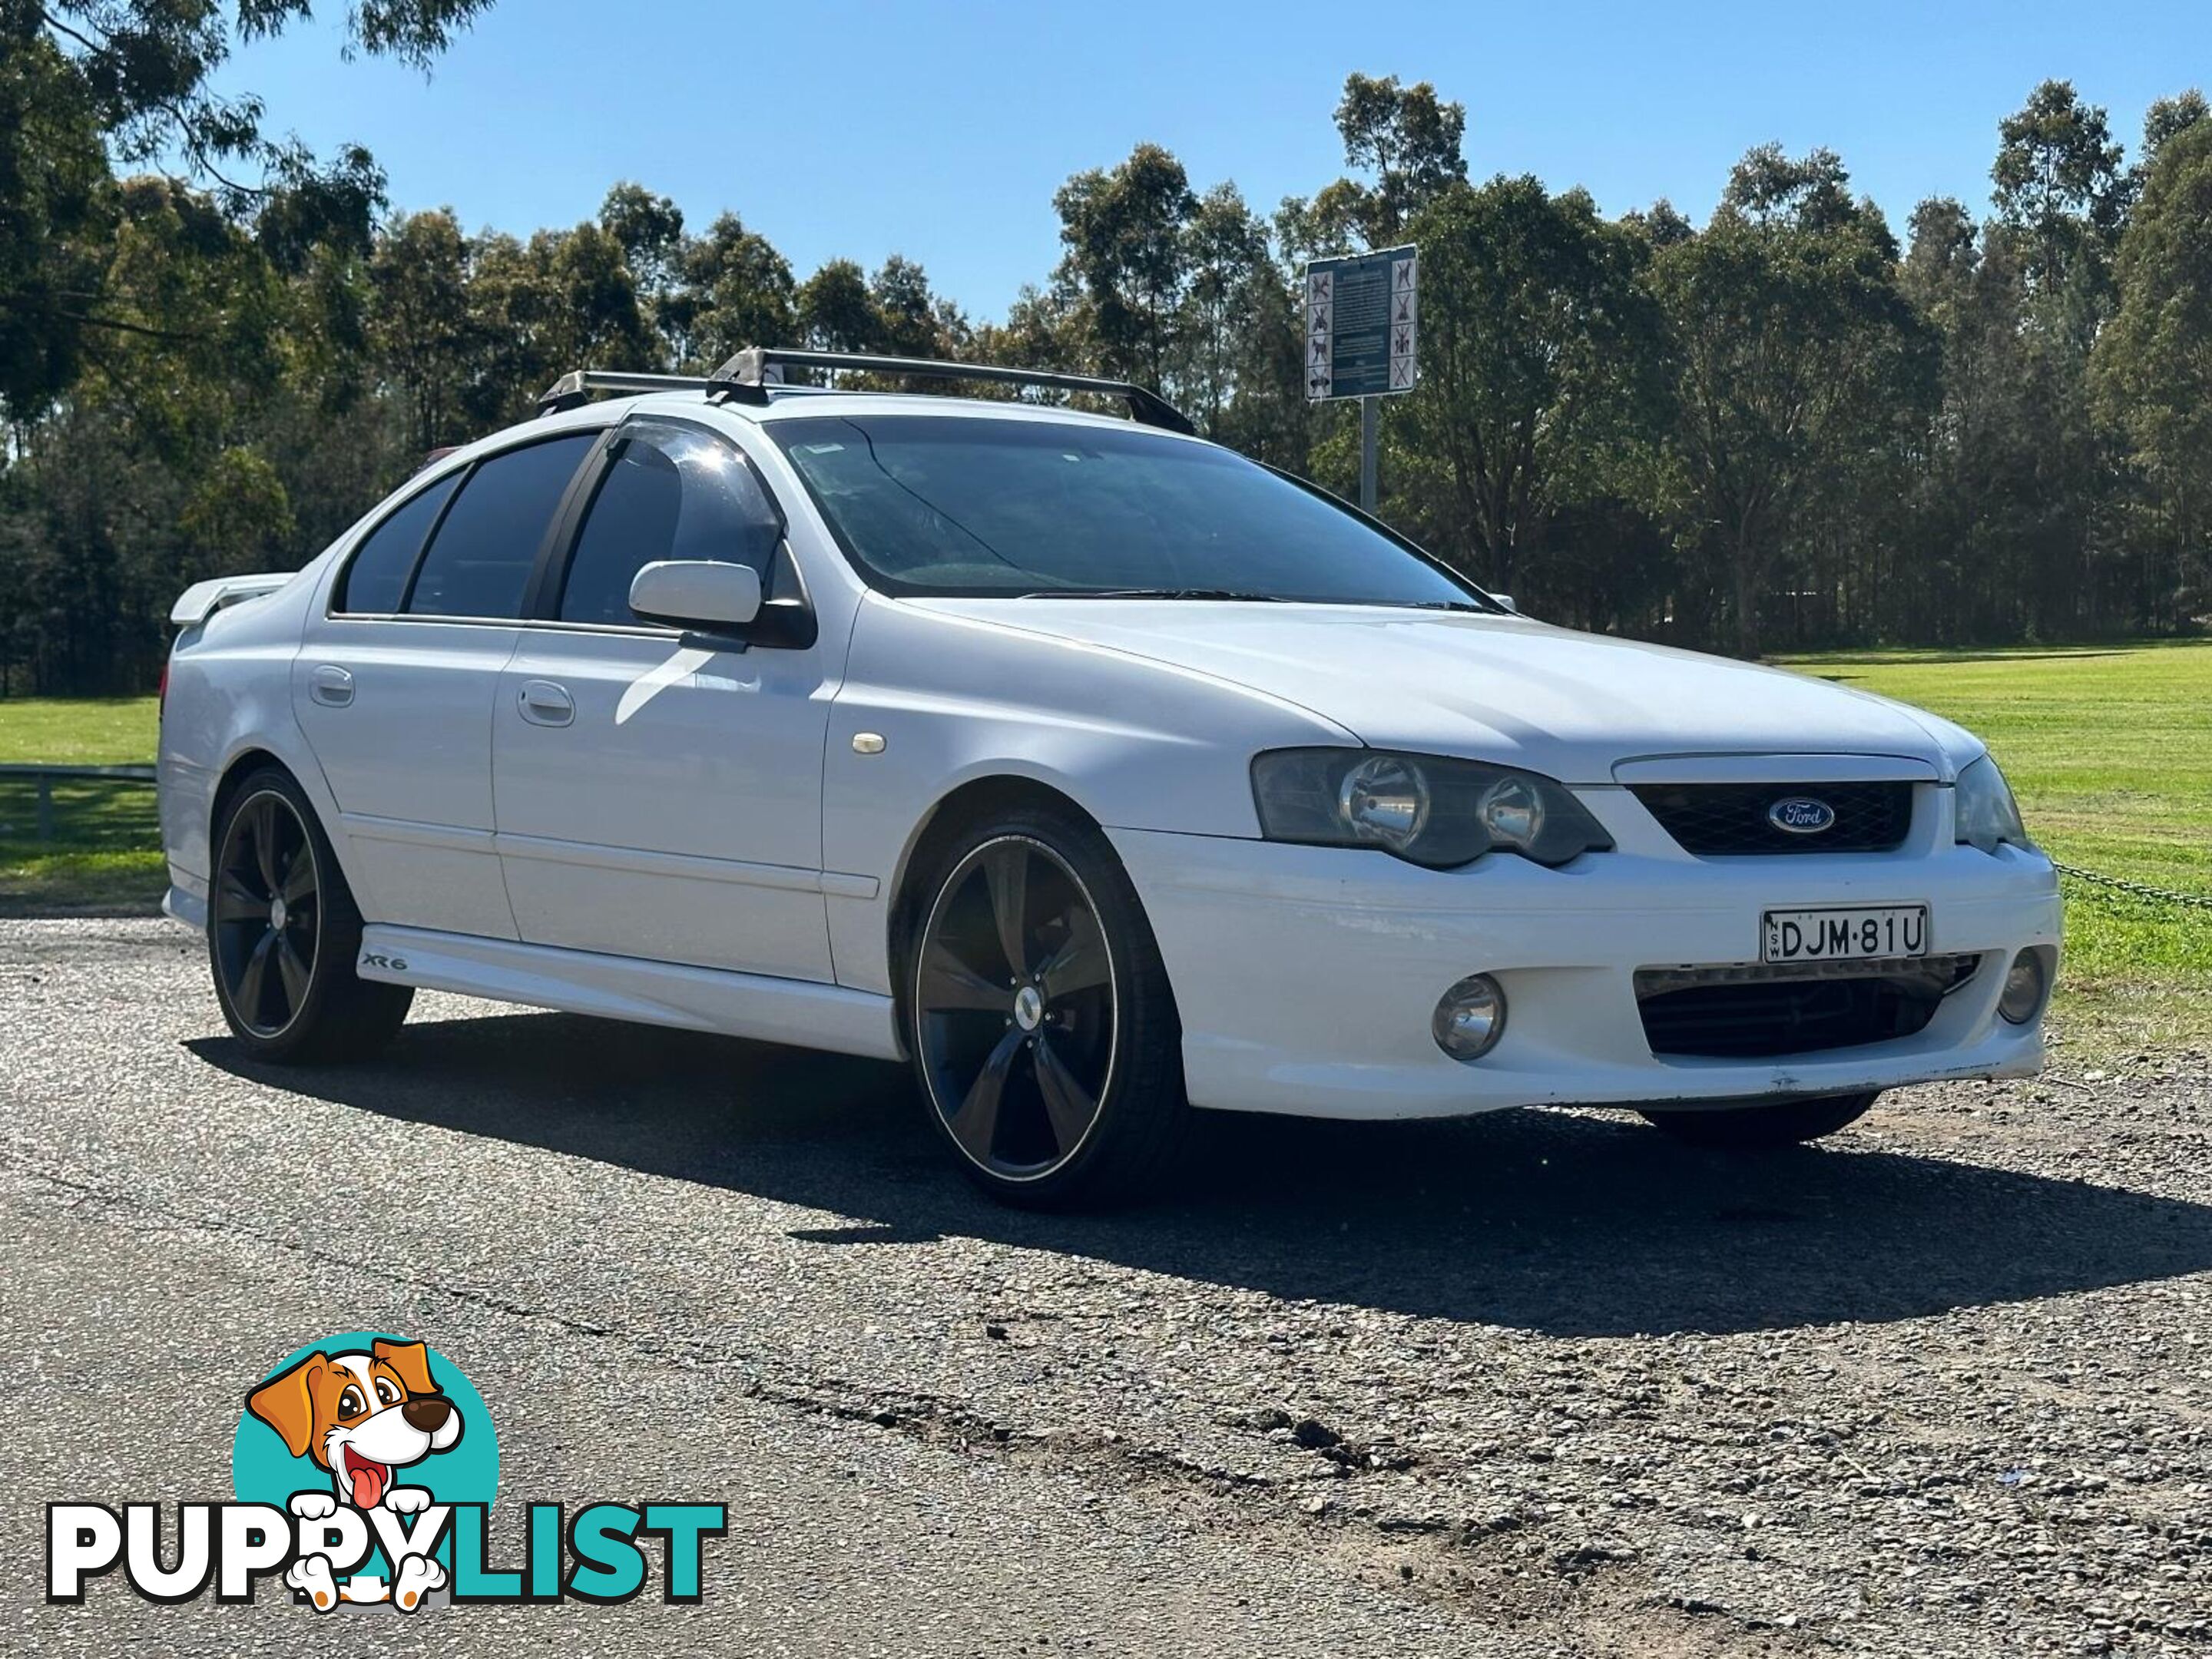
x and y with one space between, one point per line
1711 818
1749 1012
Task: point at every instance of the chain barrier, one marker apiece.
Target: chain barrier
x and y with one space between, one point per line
2140 890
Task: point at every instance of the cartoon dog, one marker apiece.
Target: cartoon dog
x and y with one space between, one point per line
361 1417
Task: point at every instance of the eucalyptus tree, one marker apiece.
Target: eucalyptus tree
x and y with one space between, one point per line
1799 367
834 310
911 319
1125 233
2153 363
1542 357
82 81
421 330
732 289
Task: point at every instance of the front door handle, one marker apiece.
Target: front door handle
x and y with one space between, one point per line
331 685
544 703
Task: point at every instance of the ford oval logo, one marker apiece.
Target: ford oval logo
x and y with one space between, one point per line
1800 815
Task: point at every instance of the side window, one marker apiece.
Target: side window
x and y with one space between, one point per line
669 492
480 563
376 580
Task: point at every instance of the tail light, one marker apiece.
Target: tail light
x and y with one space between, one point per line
161 695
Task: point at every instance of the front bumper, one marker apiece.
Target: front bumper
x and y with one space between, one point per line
1306 977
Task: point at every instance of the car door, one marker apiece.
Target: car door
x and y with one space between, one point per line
394 683
658 794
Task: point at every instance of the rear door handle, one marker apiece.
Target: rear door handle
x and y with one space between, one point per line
331 685
544 703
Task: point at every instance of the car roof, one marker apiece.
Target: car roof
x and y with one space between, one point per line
805 403
795 403
784 403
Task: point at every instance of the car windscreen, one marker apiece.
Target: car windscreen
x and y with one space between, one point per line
975 505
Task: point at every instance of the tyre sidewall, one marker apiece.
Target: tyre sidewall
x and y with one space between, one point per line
337 923
1140 1087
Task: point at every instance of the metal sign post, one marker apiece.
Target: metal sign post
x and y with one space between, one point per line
1362 313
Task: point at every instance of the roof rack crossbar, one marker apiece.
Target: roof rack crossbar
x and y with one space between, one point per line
575 388
748 375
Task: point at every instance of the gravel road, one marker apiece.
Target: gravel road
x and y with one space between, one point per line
1531 1384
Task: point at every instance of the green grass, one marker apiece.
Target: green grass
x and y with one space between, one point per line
2108 748
79 731
2109 752
105 854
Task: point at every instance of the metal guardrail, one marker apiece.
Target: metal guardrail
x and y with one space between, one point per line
46 776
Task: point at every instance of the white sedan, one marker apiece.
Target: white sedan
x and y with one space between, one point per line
1098 772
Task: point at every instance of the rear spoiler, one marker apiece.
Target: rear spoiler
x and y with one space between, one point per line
203 599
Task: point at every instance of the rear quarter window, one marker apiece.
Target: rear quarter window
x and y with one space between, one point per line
480 562
375 580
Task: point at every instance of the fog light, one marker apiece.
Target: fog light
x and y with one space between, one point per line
2022 997
1470 1018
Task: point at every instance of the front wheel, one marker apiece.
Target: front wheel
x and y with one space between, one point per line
1038 1012
1777 1123
284 933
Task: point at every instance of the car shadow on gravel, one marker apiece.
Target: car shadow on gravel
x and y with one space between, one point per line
1569 1224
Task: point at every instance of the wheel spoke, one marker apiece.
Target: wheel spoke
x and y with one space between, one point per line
1080 961
253 978
299 875
263 830
235 902
949 984
1067 1103
294 972
975 1123
1007 871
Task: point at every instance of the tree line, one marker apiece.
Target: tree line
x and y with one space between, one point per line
1786 426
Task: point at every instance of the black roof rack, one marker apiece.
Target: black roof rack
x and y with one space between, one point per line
575 388
747 376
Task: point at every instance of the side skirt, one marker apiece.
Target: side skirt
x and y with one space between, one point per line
757 1006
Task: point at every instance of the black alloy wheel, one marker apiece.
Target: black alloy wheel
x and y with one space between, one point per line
284 932
267 919
1039 1016
1014 986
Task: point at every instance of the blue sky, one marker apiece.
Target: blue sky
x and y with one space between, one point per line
941 131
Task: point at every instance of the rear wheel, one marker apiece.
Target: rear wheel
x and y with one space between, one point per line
1043 1029
283 933
1777 1123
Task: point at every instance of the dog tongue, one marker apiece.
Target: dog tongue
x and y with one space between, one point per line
367 1482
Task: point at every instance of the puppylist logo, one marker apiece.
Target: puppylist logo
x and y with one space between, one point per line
365 1468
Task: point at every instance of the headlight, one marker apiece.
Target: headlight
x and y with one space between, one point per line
1427 809
1982 802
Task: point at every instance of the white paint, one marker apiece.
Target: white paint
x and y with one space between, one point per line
755 1005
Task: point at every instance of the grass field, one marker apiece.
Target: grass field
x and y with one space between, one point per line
105 854
2108 748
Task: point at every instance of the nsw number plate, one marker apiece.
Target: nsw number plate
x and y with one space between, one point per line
1844 935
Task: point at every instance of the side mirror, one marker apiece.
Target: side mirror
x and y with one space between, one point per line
697 593
1506 599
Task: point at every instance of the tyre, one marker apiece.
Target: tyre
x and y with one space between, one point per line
283 933
1043 1032
1777 1123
